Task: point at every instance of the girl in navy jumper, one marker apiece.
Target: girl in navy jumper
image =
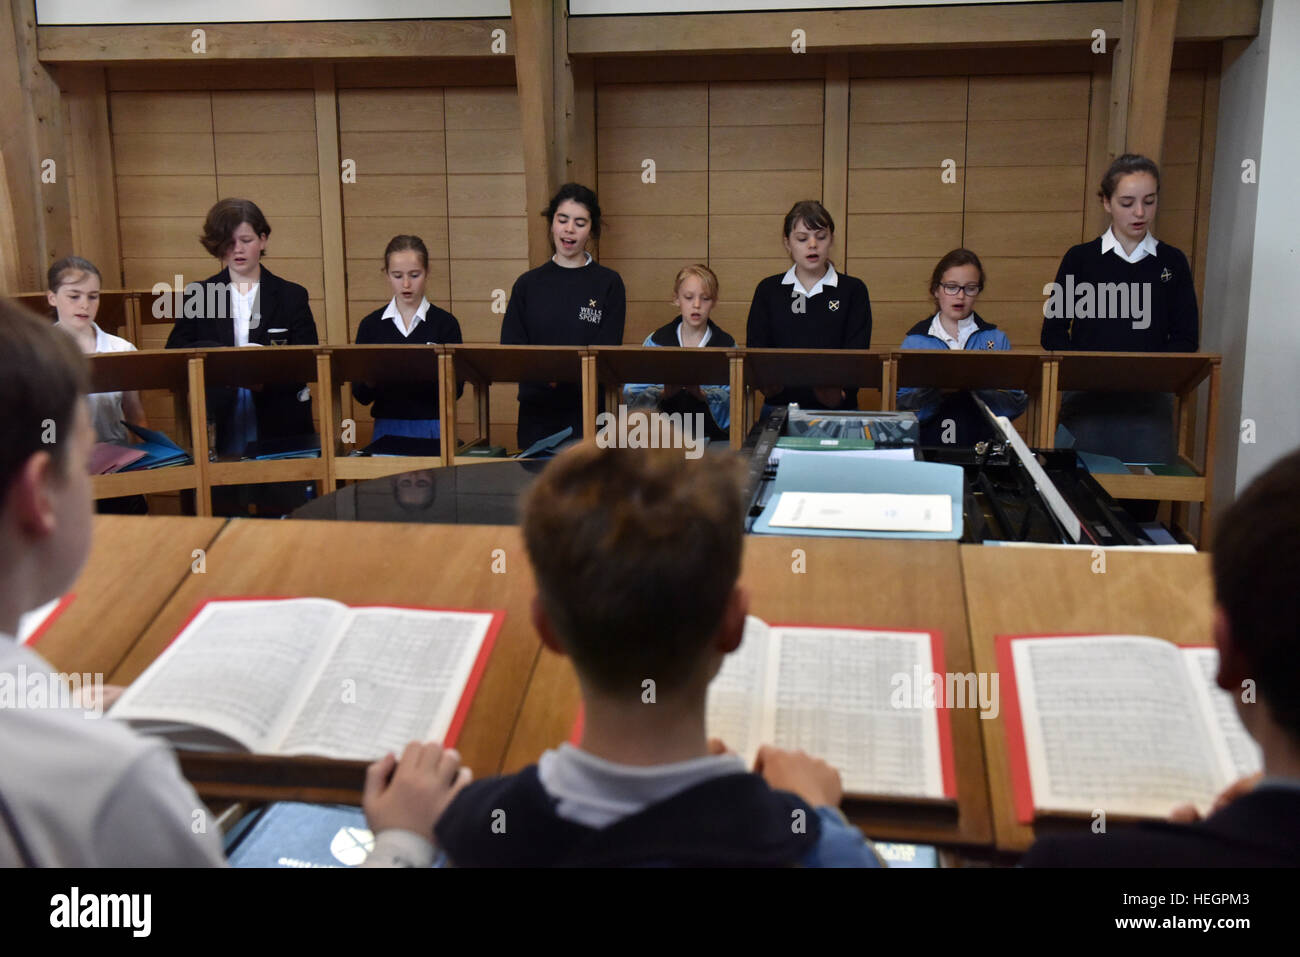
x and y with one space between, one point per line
1123 292
811 306
406 408
955 285
570 300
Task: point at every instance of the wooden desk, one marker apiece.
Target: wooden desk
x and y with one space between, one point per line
896 584
365 563
136 564
1180 373
280 365
379 364
1029 370
860 368
482 365
616 366
181 373
1012 591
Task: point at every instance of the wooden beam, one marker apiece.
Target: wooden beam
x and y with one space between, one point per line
835 150
898 28
261 41
1099 155
31 133
10 249
1153 51
90 142
535 78
1121 81
580 164
331 207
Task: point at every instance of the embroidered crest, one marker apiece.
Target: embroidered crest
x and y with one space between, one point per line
833 305
591 303
1166 275
989 344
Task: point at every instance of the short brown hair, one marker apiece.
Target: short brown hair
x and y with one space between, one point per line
956 257
813 214
1256 554
701 272
43 376
403 243
224 218
1124 165
636 553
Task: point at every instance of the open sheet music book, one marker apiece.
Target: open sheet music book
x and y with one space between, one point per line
313 676
839 694
1126 724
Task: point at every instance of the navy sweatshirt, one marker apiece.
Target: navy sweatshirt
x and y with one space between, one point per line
731 821
405 400
838 317
557 306
1170 303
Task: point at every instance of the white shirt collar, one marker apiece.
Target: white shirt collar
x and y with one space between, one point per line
587 263
596 792
708 334
830 279
1143 249
965 328
391 312
101 338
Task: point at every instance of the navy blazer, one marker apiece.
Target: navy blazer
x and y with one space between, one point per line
280 305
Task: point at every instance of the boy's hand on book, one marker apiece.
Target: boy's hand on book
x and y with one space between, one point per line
411 795
1187 813
811 778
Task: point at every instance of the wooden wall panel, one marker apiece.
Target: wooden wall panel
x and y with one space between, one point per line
907 175
768 132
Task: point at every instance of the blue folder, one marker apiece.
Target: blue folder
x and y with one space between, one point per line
815 472
159 451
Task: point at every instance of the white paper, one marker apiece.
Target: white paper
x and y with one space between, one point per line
234 667
1111 723
311 676
863 511
1239 755
395 676
830 692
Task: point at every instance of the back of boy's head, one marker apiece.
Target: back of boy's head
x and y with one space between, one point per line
1256 555
636 554
42 378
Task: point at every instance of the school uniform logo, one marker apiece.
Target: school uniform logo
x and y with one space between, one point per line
1166 275
989 344
589 312
833 305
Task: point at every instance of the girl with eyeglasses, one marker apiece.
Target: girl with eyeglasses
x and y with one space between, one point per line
954 419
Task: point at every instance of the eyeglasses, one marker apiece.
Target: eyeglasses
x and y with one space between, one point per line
952 288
